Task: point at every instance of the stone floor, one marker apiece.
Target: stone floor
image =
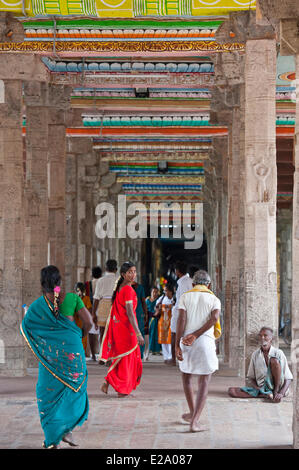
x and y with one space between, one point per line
151 417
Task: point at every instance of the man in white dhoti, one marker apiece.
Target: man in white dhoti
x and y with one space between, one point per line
199 311
268 373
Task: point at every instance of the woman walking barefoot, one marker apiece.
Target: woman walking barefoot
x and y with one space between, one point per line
53 336
122 337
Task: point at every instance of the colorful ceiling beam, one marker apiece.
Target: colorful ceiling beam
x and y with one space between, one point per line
125 8
163 155
203 94
120 48
124 67
199 131
146 120
151 167
161 180
156 189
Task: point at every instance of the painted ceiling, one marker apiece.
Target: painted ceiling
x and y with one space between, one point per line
125 8
107 49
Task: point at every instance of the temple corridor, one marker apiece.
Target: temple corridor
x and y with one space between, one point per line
156 132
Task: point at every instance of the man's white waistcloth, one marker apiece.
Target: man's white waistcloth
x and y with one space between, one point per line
199 358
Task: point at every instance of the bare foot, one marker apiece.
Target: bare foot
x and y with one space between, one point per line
122 395
104 387
196 427
187 417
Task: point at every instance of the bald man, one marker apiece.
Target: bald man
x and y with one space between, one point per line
268 372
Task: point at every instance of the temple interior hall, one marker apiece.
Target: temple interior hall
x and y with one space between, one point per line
128 129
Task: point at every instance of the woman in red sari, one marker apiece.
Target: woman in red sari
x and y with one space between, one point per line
122 337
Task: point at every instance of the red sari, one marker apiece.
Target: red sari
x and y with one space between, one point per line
120 345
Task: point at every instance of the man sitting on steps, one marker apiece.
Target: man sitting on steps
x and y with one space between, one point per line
268 372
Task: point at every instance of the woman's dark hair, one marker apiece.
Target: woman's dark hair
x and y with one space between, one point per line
123 269
50 278
81 286
96 272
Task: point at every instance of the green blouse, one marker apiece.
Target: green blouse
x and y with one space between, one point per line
70 305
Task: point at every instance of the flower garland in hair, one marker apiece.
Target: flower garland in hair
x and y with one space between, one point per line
56 300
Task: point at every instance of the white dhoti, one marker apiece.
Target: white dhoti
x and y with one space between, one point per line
200 358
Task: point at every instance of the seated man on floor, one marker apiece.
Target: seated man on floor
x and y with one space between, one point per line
268 372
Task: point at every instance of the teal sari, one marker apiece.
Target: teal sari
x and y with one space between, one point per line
139 312
267 388
62 380
154 346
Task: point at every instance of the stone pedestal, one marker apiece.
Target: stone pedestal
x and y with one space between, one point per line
11 230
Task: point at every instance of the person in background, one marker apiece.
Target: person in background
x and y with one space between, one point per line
141 311
54 338
153 347
91 285
163 313
94 333
104 288
81 291
192 270
184 284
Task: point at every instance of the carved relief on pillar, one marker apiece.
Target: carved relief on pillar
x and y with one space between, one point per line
265 187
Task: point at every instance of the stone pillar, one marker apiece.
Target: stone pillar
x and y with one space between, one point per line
79 202
257 233
227 108
235 242
71 251
260 276
59 103
36 187
295 274
13 362
284 239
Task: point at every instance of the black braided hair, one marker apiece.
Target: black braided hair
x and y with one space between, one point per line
123 269
50 278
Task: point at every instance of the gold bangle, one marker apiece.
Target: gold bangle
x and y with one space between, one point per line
139 334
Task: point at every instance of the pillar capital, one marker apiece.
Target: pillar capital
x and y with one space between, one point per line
289 36
11 30
242 26
278 9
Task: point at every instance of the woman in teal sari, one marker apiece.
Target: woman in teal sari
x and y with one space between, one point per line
54 338
154 346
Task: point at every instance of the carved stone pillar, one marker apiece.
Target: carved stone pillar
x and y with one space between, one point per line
80 211
295 274
59 103
12 358
36 187
286 13
257 181
260 277
228 109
